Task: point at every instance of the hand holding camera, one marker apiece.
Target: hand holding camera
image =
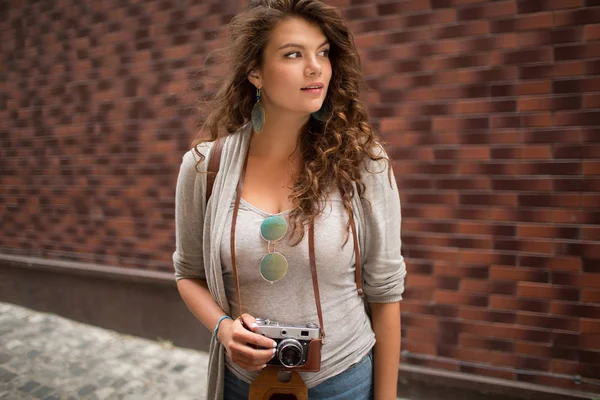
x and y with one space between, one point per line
247 349
298 346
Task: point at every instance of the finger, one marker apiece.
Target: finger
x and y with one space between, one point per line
249 321
253 339
251 355
245 362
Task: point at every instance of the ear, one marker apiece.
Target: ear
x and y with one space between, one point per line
255 78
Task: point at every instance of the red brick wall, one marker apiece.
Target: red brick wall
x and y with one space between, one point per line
490 110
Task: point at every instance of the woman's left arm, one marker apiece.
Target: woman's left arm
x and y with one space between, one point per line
384 273
385 320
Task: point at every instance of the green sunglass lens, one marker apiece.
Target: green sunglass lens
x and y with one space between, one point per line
273 228
273 267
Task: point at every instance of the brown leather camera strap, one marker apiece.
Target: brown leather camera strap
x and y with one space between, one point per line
236 208
357 260
313 270
213 165
213 168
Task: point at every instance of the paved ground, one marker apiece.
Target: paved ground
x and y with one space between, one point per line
43 356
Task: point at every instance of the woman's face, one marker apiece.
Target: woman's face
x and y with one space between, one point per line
296 69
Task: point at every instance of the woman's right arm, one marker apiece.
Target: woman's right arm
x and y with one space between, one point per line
189 272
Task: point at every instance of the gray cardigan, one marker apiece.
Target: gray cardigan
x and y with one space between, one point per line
200 226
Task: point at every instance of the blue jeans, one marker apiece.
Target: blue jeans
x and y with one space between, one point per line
355 383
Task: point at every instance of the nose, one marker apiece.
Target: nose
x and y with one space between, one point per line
313 67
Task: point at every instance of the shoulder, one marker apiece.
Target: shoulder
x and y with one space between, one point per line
377 174
197 157
376 163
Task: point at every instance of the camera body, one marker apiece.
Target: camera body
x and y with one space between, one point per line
298 346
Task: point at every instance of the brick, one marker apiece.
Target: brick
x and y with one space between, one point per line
539 152
403 7
522 56
592 32
590 233
554 168
565 367
590 325
461 30
421 334
541 103
518 274
420 321
575 216
585 249
522 184
565 134
556 36
590 200
510 303
575 279
423 281
576 85
535 21
576 51
577 118
486 10
453 297
579 310
475 228
360 12
522 89
539 290
581 16
591 100
530 6
525 215
563 69
592 67
545 231
419 347
533 349
590 296
563 263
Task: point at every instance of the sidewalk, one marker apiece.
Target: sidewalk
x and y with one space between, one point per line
43 356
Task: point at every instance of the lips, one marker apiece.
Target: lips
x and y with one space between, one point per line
314 85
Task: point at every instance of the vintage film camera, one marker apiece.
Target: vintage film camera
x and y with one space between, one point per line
298 346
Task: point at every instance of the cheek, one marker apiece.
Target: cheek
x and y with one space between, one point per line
327 70
282 79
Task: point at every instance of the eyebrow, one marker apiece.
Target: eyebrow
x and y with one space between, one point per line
301 46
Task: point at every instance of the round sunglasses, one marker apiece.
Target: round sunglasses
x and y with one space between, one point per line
274 265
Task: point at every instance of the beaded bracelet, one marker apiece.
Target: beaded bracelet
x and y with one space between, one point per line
216 331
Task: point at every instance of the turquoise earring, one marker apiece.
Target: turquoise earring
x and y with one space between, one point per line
258 114
323 114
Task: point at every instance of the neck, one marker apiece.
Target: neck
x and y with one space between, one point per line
278 138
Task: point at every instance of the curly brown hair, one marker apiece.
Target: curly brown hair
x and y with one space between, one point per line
334 151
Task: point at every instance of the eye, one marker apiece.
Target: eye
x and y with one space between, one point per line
324 53
294 54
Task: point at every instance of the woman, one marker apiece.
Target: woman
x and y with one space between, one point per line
309 156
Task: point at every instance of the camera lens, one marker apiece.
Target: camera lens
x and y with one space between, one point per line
290 353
